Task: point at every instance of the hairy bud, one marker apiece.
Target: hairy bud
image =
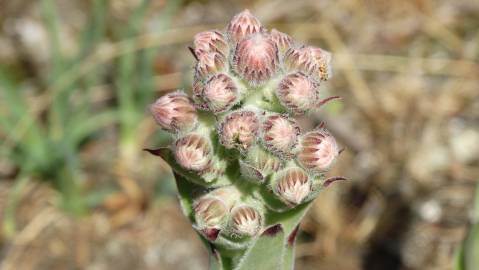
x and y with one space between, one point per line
210 211
210 41
256 59
292 185
319 150
312 61
280 134
239 130
174 112
282 40
220 93
208 64
297 93
239 157
193 152
242 25
258 164
245 221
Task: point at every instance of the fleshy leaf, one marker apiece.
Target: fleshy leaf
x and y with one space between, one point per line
266 252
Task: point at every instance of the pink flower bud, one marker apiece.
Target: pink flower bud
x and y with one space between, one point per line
312 61
292 185
239 130
210 212
245 221
242 25
220 93
256 59
280 134
209 63
282 40
210 41
198 87
318 150
193 152
297 93
174 112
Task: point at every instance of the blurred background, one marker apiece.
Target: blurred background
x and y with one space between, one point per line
76 77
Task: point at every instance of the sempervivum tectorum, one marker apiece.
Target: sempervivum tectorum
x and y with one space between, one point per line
174 112
319 150
239 129
243 25
210 41
292 185
193 152
310 60
242 164
280 134
256 58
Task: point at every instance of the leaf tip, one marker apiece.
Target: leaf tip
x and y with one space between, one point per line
273 230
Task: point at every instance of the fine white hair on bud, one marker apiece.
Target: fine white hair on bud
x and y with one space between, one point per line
242 25
318 151
193 152
210 41
297 93
292 185
174 112
256 59
310 60
283 41
220 93
280 134
239 130
245 221
208 64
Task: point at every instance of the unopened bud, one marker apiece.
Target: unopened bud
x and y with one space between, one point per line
282 40
239 130
258 164
198 87
256 59
210 41
193 152
310 60
292 185
220 93
280 134
242 25
209 63
297 93
245 221
210 212
318 150
174 112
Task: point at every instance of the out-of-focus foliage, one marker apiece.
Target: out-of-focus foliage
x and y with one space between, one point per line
467 257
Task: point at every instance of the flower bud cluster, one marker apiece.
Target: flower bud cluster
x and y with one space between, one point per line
237 134
221 211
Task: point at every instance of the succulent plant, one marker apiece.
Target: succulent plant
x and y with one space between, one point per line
245 171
